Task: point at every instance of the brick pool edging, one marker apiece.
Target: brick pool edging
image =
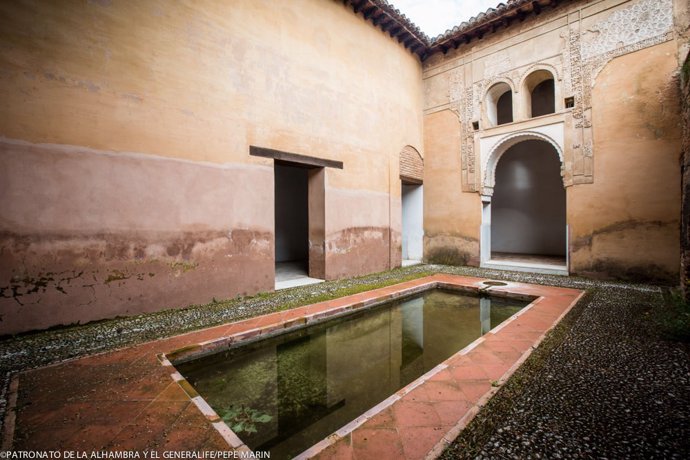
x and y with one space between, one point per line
549 305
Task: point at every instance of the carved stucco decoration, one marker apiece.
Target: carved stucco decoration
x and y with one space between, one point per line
642 20
640 24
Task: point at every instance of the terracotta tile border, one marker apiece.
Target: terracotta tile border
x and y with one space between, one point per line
548 306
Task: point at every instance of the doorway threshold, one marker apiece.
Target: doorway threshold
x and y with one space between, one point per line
293 274
531 267
410 262
294 282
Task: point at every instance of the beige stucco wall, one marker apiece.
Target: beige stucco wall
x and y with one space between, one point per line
451 220
619 144
626 224
124 148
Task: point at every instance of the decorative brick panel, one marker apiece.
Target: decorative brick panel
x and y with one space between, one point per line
411 165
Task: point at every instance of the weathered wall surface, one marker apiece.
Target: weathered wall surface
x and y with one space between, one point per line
451 217
85 237
685 186
625 224
126 180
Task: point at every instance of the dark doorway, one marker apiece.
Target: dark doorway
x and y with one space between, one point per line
528 207
291 219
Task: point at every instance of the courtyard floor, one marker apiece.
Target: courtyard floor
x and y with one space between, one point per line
603 384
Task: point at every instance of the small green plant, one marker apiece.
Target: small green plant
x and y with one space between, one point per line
674 317
244 419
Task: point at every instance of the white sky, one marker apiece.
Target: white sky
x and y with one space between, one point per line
434 17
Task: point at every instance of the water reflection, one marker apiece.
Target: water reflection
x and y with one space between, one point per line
285 394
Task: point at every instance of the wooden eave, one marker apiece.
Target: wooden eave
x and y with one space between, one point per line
391 21
492 20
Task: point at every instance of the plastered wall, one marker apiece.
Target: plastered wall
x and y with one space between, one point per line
635 198
124 138
451 220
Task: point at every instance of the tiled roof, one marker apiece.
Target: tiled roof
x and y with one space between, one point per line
503 15
389 19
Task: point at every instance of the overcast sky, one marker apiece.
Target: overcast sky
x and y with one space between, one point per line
434 17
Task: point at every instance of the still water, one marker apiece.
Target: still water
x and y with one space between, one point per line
286 393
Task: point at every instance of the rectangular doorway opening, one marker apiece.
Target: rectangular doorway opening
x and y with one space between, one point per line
298 216
412 197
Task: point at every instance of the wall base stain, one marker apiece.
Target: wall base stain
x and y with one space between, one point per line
357 251
451 249
49 280
447 256
609 269
618 251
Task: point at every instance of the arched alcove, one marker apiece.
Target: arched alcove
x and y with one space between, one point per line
539 88
499 104
528 205
523 205
505 143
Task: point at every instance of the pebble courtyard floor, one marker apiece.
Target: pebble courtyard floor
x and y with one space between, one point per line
125 399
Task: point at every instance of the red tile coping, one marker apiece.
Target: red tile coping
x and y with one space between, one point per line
124 400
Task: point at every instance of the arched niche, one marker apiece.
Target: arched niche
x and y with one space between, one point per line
539 93
489 171
519 146
498 104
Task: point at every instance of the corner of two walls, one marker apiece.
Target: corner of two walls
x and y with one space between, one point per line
685 180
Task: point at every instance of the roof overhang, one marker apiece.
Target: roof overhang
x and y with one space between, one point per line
389 19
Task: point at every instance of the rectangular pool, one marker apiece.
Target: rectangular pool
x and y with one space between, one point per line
284 394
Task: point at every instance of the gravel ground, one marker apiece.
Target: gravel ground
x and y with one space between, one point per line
605 386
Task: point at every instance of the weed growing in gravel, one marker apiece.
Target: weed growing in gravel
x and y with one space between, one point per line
674 317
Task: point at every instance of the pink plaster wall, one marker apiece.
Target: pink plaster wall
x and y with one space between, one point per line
86 235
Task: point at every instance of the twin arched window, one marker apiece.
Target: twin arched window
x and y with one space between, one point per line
539 99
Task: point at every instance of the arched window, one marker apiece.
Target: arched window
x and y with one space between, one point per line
504 108
540 86
499 104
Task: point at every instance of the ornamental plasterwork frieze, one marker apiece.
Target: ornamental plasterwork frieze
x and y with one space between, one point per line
467 156
640 24
643 24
